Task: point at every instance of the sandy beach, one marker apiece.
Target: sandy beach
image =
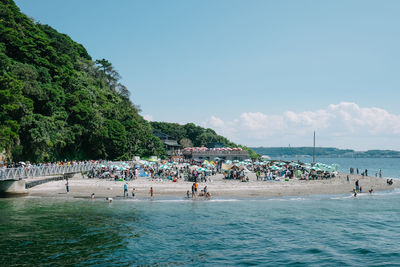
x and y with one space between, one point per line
218 187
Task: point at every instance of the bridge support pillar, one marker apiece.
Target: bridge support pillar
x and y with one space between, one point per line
11 187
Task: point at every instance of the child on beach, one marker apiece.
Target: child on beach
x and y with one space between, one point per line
151 192
133 192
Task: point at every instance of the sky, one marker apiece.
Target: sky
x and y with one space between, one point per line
260 72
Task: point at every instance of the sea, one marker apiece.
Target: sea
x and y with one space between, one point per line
319 230
390 167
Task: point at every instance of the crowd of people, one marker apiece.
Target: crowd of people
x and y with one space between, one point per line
200 171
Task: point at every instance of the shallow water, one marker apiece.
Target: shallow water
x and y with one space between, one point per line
302 231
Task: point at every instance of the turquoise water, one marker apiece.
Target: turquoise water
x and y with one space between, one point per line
390 166
310 231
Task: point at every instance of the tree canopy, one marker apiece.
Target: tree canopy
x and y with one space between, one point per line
57 103
193 135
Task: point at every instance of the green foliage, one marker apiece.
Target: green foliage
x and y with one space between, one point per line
56 103
193 135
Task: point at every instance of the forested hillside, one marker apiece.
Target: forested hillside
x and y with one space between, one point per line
57 103
192 135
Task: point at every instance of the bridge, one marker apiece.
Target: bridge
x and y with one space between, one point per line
17 180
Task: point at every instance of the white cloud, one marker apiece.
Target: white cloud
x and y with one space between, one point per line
148 117
339 125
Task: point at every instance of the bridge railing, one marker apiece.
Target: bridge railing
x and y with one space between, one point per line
39 171
48 170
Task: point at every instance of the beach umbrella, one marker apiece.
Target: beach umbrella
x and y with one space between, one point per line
164 167
193 167
275 168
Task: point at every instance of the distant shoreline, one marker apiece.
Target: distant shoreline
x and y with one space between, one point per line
324 152
331 156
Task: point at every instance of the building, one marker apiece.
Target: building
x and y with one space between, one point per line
171 145
213 153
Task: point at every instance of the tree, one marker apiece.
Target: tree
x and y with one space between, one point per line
56 103
186 142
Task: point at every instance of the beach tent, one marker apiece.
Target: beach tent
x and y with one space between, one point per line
226 167
298 173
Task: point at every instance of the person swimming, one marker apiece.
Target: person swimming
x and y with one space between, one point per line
371 191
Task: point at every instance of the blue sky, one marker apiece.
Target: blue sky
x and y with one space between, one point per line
243 67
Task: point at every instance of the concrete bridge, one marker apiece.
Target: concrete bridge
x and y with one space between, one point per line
18 180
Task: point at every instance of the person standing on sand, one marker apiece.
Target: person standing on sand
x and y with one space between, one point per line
192 190
125 190
151 192
133 192
357 171
196 185
357 186
67 186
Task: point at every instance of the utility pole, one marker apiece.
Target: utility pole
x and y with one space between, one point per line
313 158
